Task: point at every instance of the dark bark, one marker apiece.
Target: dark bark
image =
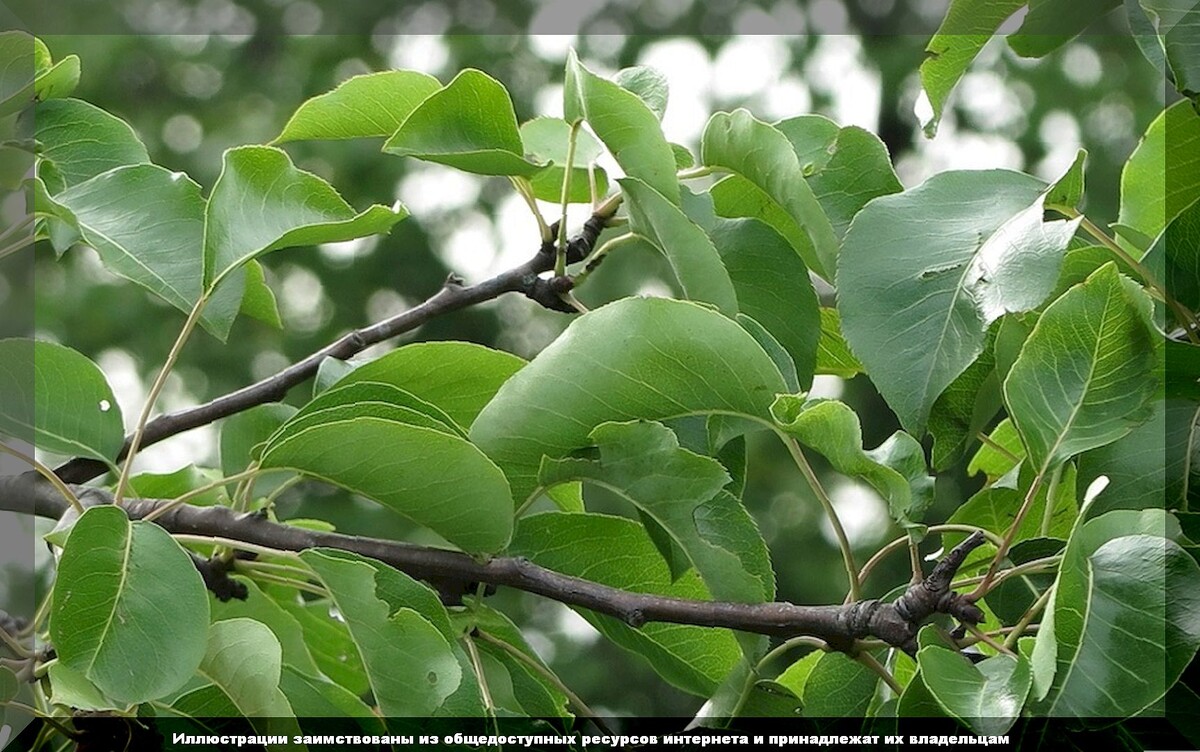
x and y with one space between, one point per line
896 623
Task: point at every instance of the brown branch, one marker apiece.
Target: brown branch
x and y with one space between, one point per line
895 623
452 296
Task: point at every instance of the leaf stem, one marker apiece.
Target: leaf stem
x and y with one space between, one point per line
599 254
987 640
477 665
1027 618
307 587
14 645
838 531
560 260
580 706
1186 317
694 172
1029 567
899 543
998 447
1051 491
45 718
46 473
872 663
155 390
524 190
1002 550
200 491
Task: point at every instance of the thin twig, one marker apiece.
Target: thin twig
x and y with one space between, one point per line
1027 618
46 473
580 706
451 297
155 390
1002 550
477 664
198 492
987 640
838 531
870 662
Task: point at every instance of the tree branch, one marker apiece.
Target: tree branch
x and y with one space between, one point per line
895 623
453 296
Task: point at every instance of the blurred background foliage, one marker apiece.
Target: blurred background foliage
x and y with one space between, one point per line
194 78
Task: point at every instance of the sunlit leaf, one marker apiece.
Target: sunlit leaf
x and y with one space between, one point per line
468 124
626 125
923 273
636 358
262 202
366 106
1084 378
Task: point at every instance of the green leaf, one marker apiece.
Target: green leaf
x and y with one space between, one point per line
327 638
533 694
780 357
896 468
636 358
129 611
1084 378
1124 620
995 509
967 27
772 287
58 81
987 696
78 141
684 493
618 552
244 660
833 354
691 253
649 84
258 301
1155 188
172 485
547 184
403 458
1173 257
838 687
147 225
458 377
916 304
964 409
9 685
854 169
21 56
261 202
71 689
368 106
313 697
546 140
59 400
761 155
373 398
1134 465
1182 459
1052 23
243 432
996 458
409 662
468 124
624 123
285 627
1176 24
1067 192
